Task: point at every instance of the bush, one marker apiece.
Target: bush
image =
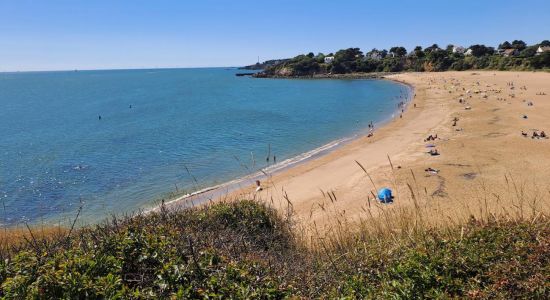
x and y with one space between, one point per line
245 250
210 252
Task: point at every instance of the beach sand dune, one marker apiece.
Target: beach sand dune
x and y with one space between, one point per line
486 166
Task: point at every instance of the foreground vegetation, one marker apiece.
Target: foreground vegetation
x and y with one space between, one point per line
247 250
508 56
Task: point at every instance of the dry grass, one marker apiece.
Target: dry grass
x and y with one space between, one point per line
14 237
415 211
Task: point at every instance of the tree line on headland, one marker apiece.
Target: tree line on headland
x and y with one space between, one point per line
516 55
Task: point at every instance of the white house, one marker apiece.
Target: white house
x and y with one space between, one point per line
375 55
458 49
468 52
329 59
542 49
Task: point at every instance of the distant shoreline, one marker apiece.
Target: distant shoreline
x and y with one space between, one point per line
374 75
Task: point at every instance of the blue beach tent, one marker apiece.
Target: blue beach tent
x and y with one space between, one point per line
385 196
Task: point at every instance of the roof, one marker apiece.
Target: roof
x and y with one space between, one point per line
509 51
544 48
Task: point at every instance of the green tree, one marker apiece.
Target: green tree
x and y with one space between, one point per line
432 48
349 54
418 52
529 51
541 61
519 44
338 68
505 45
398 51
320 58
481 50
545 43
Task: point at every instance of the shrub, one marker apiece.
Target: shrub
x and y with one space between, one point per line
245 250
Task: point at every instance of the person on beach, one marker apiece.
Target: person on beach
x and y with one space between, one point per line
274 159
258 186
535 135
431 138
524 133
432 170
543 134
433 152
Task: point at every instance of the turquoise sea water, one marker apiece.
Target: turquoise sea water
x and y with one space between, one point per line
155 125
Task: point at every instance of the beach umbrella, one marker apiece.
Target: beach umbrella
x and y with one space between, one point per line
385 196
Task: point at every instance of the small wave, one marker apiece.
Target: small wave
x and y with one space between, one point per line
204 195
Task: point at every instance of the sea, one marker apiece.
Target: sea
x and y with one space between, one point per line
114 142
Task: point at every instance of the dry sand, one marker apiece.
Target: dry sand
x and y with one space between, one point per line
486 165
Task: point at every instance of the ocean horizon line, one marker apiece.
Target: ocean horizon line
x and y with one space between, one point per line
114 69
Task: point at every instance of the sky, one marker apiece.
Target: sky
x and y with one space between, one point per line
119 34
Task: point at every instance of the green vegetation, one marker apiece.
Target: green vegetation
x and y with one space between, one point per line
516 55
245 250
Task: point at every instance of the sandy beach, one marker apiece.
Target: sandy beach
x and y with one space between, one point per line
486 166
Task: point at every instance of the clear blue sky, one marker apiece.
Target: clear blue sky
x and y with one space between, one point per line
99 34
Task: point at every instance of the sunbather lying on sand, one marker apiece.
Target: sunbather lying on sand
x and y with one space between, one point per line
433 152
432 170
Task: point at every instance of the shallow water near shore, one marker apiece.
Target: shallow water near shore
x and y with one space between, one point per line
161 130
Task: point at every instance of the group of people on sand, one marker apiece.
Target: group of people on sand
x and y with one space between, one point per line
431 138
541 94
535 135
433 151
